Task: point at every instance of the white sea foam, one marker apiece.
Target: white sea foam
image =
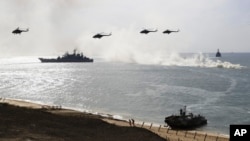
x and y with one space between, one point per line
117 117
175 59
198 60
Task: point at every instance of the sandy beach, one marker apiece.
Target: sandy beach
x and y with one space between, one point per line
27 121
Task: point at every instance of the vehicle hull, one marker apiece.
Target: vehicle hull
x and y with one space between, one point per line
185 122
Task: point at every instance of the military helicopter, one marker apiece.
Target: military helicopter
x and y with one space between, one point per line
100 35
146 31
169 31
19 31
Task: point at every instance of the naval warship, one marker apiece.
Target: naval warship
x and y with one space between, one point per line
67 58
218 54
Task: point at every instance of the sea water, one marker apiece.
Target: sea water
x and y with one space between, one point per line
218 88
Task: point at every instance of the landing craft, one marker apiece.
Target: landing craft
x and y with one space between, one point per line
169 31
19 31
100 35
146 31
185 121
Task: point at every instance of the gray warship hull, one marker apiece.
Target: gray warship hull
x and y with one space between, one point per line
44 60
68 58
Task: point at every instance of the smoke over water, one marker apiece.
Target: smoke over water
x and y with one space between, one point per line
176 59
62 25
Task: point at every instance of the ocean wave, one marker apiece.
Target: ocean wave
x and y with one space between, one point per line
199 60
175 59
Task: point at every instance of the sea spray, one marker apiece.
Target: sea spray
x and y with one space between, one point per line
173 59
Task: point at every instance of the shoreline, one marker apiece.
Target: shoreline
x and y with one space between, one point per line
37 104
160 130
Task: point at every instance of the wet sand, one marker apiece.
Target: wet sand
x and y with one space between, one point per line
27 121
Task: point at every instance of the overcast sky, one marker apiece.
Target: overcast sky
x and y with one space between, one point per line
57 26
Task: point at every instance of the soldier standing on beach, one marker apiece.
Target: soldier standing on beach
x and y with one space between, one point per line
133 122
184 110
129 122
